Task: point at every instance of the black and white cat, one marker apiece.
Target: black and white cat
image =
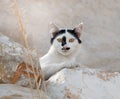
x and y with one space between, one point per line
65 44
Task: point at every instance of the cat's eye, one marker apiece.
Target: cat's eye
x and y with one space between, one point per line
71 40
59 40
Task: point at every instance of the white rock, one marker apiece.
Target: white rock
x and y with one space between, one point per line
84 84
9 91
11 55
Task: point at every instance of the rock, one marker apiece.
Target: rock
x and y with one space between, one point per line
9 91
83 83
13 60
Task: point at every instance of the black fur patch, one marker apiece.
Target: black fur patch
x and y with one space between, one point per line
72 32
56 34
63 40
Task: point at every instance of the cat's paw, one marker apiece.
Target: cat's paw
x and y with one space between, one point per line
75 65
72 65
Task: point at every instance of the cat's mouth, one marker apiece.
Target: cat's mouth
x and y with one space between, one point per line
65 49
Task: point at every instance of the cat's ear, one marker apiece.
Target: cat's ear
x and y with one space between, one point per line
53 29
78 29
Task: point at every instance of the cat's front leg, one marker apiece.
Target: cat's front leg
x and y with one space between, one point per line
51 69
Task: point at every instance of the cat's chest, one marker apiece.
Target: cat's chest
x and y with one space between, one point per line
56 59
60 60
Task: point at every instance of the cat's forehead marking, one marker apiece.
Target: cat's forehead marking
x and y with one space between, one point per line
66 32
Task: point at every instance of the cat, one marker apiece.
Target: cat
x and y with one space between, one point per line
64 48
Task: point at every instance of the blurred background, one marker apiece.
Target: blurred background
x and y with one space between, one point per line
100 46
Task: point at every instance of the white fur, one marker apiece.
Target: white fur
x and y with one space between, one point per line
57 59
73 46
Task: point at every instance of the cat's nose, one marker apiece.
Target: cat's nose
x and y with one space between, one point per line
65 48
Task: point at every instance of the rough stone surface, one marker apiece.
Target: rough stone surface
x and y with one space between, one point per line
11 55
100 46
9 91
84 84
100 38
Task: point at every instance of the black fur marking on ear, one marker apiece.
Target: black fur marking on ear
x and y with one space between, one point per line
56 34
72 32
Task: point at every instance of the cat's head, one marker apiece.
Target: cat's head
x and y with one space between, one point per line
65 41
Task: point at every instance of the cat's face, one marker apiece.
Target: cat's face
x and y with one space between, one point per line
66 41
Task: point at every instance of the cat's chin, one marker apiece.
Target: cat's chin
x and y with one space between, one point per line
65 53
